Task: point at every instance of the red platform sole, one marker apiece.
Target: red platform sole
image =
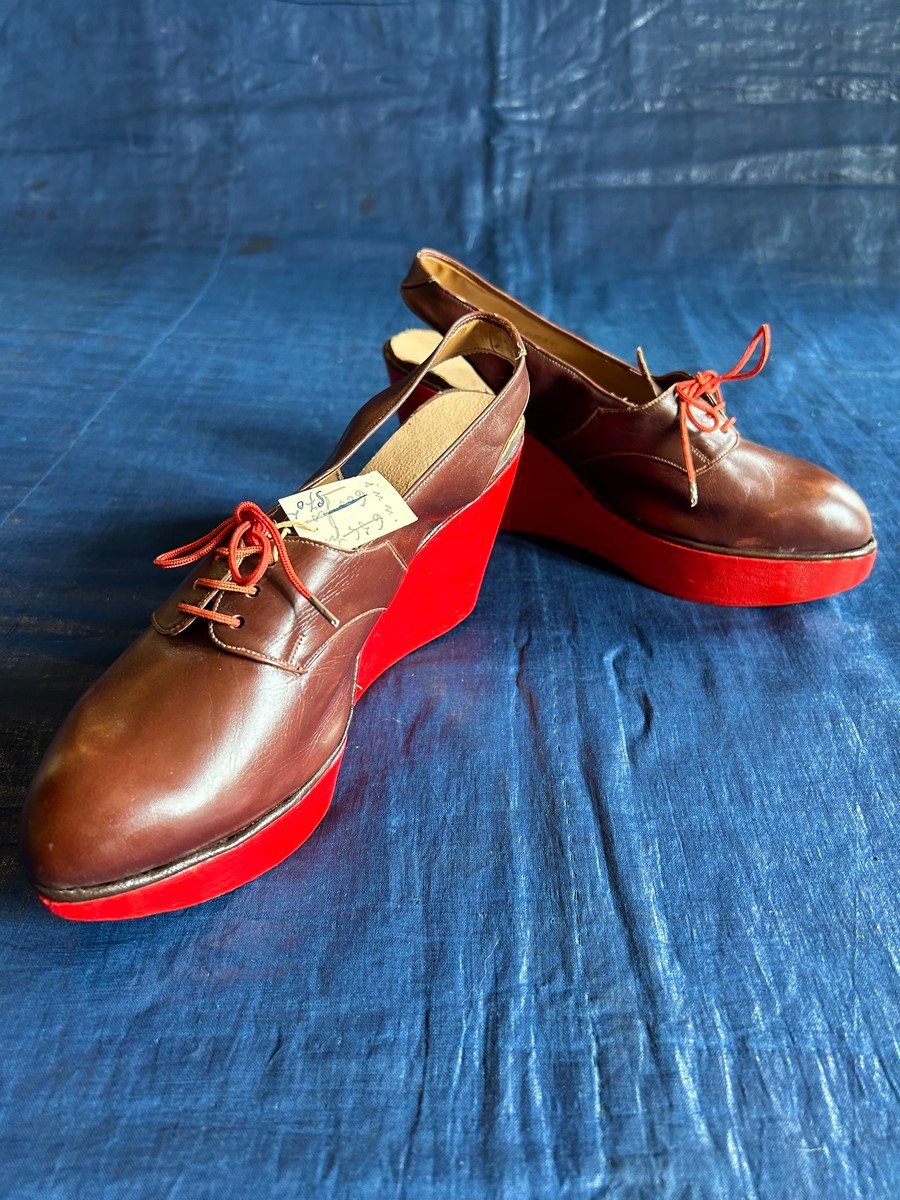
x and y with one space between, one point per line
439 591
667 566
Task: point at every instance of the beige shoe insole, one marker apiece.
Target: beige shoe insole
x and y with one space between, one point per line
413 346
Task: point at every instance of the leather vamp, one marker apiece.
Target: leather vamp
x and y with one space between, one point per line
214 739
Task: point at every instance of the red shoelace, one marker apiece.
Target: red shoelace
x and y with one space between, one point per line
248 531
708 415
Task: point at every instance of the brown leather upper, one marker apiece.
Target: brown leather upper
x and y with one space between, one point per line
618 429
199 729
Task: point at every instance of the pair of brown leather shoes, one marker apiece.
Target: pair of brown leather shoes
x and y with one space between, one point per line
209 751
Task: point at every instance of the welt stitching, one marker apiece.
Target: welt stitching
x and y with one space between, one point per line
656 458
397 556
346 625
171 630
245 653
285 664
532 348
629 411
632 454
712 462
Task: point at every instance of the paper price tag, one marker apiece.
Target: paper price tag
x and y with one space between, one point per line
348 513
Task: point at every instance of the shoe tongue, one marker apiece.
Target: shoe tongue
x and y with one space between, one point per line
645 371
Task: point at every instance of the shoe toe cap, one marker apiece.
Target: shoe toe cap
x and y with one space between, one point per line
841 518
795 508
81 828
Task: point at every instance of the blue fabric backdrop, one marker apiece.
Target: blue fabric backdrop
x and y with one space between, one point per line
606 902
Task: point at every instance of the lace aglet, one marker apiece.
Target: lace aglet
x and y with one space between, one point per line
694 493
642 364
325 612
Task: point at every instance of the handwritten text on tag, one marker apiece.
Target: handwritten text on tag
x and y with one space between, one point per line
349 512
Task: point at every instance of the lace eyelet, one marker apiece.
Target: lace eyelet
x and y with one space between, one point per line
248 531
256 590
241 621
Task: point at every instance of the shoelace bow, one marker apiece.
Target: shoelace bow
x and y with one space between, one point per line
708 415
246 532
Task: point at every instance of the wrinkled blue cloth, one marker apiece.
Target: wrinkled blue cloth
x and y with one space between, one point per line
605 905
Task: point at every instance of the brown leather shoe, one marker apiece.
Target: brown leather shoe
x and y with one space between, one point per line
648 471
209 751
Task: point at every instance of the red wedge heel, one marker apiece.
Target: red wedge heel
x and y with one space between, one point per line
679 570
440 589
668 566
442 584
